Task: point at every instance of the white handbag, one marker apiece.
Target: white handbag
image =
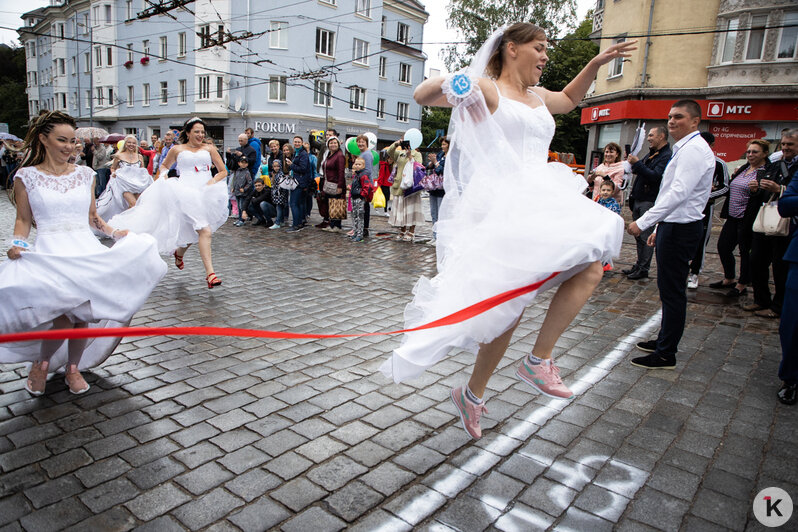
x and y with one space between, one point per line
769 221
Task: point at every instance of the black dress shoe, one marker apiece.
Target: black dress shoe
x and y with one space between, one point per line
720 284
654 361
639 274
788 394
627 271
736 293
649 346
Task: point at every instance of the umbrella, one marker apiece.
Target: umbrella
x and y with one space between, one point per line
113 138
9 136
87 133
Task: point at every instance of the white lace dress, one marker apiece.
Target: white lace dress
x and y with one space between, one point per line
129 177
509 219
70 273
173 210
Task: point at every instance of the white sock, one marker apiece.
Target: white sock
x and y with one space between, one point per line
533 359
472 397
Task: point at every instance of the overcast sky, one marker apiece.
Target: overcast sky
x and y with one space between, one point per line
435 30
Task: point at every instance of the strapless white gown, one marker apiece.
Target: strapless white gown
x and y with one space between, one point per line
70 273
173 210
518 220
129 177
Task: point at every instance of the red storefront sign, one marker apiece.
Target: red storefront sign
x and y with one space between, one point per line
731 140
716 110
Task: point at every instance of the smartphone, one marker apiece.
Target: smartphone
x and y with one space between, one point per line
628 148
761 174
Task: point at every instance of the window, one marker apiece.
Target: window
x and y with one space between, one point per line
380 107
403 33
789 36
181 44
220 34
357 98
404 73
204 88
322 93
278 34
130 52
61 67
61 100
131 131
87 100
145 100
130 96
360 52
363 8
109 54
74 66
110 96
98 56
205 35
727 50
145 48
100 97
164 48
219 87
383 26
85 24
108 14
164 93
74 102
325 42
383 66
181 91
615 68
129 10
331 2
402 111
87 62
277 88
756 38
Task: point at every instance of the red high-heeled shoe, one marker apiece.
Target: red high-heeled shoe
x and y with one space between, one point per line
212 280
179 261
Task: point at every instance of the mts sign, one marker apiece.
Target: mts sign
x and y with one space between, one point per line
719 109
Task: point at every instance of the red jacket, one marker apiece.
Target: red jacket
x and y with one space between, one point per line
385 173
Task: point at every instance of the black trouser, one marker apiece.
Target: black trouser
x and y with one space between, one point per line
366 215
767 251
644 251
676 245
386 191
736 232
698 261
788 328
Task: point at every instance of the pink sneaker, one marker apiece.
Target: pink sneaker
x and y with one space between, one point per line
469 412
545 378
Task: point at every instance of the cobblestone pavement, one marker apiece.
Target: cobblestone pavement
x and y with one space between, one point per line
240 434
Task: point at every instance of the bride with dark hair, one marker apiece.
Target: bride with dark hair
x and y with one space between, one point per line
185 210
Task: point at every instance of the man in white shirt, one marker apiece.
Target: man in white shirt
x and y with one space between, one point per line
678 213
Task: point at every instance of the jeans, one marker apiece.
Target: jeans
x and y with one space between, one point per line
644 251
264 211
297 200
103 174
676 245
736 232
788 328
240 200
281 211
308 203
434 208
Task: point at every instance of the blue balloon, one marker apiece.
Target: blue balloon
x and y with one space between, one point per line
413 136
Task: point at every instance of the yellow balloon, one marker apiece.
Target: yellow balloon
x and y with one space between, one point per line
120 145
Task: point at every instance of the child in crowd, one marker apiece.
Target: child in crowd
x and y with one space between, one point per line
360 192
241 184
279 195
605 196
259 205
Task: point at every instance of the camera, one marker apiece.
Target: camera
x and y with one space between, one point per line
405 144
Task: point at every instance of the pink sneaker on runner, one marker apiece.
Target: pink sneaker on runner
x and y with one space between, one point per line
469 412
545 378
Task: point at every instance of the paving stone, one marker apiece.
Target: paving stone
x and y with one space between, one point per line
278 443
65 462
380 520
415 504
156 472
353 500
109 446
320 449
721 509
194 434
401 435
123 423
56 516
335 473
235 439
419 459
602 502
368 453
22 457
114 520
449 480
253 484
354 433
522 517
387 478
146 453
658 510
496 490
21 479
262 514
112 493
203 478
675 482
298 494
34 434
154 430
157 501
12 508
316 519
576 519
165 523
53 491
288 465
205 510
549 496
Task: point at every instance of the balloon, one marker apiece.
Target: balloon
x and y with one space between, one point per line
375 157
120 145
413 136
372 140
351 146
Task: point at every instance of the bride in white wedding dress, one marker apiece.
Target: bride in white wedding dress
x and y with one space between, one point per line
185 210
70 280
509 219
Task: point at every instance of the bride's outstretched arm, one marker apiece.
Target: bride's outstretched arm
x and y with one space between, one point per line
430 93
567 100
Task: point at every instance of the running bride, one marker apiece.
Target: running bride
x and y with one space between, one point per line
182 211
540 229
129 178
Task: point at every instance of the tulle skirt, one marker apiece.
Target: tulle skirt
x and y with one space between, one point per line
71 274
127 179
173 210
508 232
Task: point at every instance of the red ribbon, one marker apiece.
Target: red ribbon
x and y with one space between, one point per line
88 332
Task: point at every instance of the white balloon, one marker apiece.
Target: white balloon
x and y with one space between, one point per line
413 136
372 140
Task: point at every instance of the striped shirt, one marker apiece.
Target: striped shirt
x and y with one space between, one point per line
739 193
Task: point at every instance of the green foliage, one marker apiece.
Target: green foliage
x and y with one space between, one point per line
14 110
476 20
433 118
566 59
